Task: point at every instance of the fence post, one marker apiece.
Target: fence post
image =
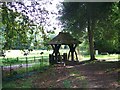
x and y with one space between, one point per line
2 70
1 75
26 65
42 61
17 59
34 59
10 69
34 62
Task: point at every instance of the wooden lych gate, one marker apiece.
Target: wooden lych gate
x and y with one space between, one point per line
63 39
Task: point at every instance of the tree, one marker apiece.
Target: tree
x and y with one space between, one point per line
107 32
79 16
24 23
16 27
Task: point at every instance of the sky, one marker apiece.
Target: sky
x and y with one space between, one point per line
50 6
52 18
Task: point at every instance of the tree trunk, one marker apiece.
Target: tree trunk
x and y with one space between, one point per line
90 32
90 37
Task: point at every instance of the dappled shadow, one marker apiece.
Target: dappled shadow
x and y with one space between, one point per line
88 74
60 77
73 63
101 74
83 75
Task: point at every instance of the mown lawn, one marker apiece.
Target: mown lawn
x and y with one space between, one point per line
109 56
84 57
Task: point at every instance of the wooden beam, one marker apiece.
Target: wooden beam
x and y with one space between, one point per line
72 51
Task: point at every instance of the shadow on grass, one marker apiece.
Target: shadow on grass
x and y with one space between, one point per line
25 74
97 65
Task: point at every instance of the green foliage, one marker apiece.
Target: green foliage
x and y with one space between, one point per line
16 26
67 84
79 16
24 25
103 24
107 32
75 15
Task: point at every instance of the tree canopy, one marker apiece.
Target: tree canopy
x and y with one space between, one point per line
24 24
107 31
77 16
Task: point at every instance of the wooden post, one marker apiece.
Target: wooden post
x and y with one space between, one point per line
76 55
72 55
51 59
64 56
68 55
56 48
72 51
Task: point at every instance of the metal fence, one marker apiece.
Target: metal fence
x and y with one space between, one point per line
14 66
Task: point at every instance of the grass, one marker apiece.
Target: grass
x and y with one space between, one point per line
19 60
112 56
24 81
46 56
22 70
67 84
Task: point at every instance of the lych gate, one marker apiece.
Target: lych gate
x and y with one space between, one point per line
63 39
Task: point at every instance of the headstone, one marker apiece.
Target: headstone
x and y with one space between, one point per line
96 52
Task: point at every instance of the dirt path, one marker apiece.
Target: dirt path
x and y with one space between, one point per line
94 75
98 78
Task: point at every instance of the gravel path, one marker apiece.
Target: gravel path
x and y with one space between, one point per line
18 66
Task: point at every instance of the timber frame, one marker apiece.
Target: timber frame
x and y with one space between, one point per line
63 39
